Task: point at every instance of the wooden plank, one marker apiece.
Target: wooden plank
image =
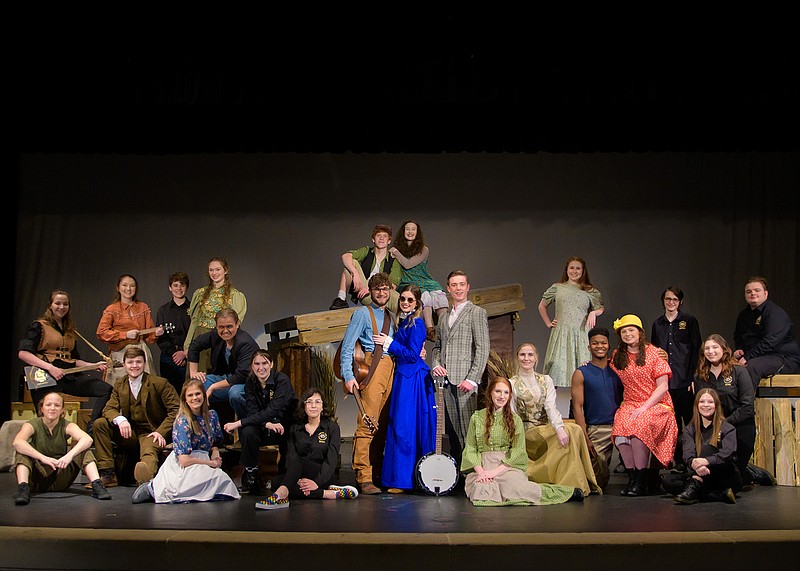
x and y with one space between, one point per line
318 336
785 381
484 295
785 443
764 451
503 307
778 392
324 319
797 440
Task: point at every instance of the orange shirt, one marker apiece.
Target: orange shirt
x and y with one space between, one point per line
119 318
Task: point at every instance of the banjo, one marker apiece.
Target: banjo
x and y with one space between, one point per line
437 473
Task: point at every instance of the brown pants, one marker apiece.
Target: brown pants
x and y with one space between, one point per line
368 447
105 435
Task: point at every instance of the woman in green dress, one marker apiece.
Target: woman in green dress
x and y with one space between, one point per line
578 304
206 301
494 457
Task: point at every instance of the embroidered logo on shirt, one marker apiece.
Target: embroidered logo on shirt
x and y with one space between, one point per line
758 320
322 437
727 381
682 325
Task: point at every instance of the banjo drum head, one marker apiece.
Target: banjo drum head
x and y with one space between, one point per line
437 474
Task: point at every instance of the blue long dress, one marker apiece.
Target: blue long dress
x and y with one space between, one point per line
412 411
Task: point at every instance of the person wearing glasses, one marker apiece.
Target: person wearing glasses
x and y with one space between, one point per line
365 323
312 456
677 335
412 412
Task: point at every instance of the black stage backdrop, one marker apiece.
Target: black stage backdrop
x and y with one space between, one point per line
147 145
642 221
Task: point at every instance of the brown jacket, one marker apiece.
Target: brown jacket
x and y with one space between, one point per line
158 397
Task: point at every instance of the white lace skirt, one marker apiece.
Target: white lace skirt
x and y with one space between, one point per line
195 483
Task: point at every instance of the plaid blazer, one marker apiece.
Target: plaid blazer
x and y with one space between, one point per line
463 349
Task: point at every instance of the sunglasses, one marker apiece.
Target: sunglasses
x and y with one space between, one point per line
408 299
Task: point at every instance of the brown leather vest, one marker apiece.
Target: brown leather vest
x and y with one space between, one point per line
54 346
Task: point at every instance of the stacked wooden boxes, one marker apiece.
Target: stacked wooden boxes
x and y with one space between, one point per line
777 431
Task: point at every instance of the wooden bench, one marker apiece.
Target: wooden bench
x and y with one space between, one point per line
777 430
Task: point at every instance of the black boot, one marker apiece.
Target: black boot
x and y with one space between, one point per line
725 495
692 493
250 482
638 487
652 480
23 495
627 489
577 495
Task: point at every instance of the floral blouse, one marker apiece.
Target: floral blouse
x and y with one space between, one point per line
184 441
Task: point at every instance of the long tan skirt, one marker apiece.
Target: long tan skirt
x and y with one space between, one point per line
551 463
511 488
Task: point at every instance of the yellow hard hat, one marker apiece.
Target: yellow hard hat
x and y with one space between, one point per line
626 320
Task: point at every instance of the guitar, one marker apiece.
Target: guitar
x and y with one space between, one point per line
437 473
369 422
168 328
38 378
360 371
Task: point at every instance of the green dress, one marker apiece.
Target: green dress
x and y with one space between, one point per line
512 487
568 346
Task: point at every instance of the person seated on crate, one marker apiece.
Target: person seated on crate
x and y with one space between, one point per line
709 452
363 263
764 335
312 456
45 462
193 471
232 349
270 401
137 419
49 345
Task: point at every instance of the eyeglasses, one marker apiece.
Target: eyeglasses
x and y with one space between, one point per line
314 401
408 299
382 288
671 299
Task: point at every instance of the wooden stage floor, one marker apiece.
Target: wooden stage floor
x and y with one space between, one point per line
73 531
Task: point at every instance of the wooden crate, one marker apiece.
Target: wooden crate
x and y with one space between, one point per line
777 430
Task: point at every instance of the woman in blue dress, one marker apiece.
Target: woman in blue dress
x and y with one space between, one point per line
412 411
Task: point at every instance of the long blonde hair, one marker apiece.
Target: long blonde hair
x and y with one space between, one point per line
187 412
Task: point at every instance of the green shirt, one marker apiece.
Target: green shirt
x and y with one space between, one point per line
475 446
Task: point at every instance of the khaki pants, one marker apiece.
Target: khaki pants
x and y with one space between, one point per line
367 447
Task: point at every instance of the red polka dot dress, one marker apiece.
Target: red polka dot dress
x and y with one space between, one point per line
656 426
